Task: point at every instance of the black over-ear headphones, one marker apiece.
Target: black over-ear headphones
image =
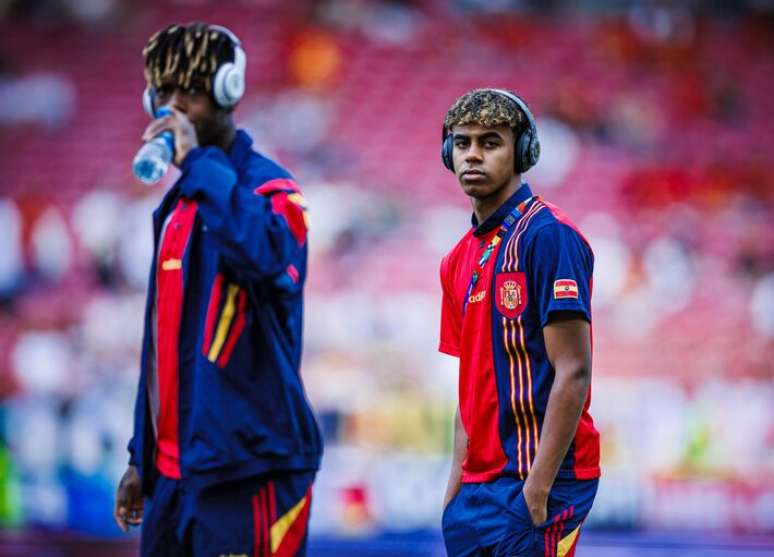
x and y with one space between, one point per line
526 149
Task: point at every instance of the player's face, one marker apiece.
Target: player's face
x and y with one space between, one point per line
196 103
483 158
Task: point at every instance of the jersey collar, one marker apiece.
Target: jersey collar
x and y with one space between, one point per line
496 218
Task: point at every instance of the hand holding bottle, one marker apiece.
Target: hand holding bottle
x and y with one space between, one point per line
169 138
173 120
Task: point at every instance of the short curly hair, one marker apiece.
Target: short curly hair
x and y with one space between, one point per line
487 108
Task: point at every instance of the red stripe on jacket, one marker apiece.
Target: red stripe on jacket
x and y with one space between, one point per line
169 308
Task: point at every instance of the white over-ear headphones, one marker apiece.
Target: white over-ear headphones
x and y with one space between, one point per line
228 85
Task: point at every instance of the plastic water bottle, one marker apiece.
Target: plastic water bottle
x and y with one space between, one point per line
152 160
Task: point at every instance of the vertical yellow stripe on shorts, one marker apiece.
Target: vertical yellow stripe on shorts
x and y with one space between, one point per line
566 544
225 321
281 527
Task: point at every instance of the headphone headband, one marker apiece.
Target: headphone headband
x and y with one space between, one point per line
522 106
230 34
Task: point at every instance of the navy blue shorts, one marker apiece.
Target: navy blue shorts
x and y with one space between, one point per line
491 519
261 517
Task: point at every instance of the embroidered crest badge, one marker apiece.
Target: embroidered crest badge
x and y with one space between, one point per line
511 298
511 294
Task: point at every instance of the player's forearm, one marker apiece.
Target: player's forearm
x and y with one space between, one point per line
565 405
458 456
242 223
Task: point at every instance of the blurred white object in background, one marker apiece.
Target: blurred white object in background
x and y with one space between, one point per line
43 98
762 306
91 11
94 220
443 226
300 120
612 257
671 276
52 247
11 265
559 150
331 209
42 362
136 241
34 434
634 315
112 326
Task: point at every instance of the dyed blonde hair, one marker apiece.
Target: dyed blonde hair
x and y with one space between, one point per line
186 55
488 109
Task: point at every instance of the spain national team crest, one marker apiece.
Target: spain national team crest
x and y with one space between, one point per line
511 294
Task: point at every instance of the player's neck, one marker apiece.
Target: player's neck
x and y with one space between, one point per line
485 207
226 139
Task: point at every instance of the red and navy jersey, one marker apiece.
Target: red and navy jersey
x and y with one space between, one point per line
542 265
220 394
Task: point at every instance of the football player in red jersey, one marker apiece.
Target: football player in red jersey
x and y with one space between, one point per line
516 312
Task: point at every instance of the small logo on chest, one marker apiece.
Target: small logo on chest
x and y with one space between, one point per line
171 265
479 296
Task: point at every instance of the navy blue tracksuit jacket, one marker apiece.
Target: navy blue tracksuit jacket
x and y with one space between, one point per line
241 406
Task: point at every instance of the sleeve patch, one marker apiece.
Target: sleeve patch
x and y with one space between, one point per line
565 289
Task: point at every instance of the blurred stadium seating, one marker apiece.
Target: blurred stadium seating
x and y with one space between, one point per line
656 124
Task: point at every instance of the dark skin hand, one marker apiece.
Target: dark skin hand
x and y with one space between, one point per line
195 120
568 344
129 500
179 124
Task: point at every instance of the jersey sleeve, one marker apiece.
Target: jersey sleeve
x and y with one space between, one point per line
560 272
451 316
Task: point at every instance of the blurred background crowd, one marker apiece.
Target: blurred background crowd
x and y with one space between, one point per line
656 125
